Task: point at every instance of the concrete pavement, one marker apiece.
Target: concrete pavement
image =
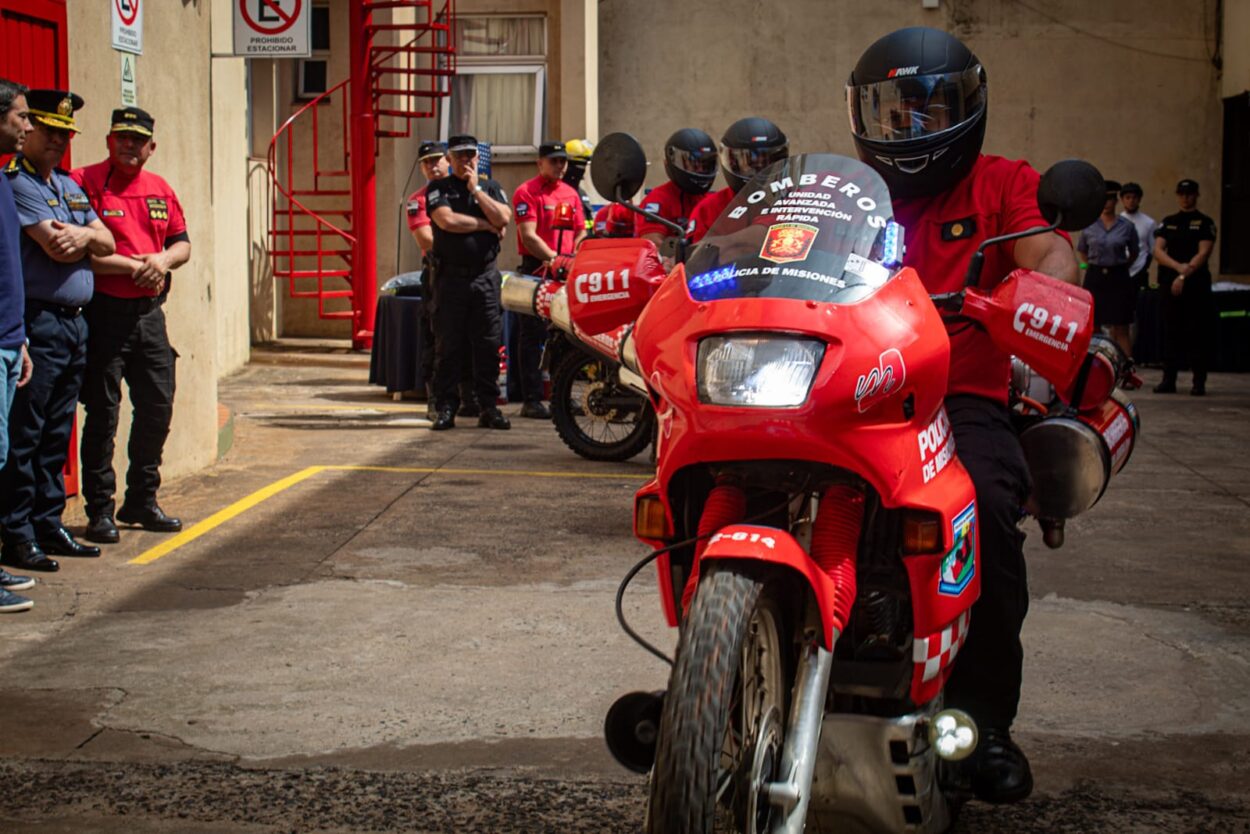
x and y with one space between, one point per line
420 637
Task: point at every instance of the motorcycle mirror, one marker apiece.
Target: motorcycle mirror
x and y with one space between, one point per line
1073 192
619 167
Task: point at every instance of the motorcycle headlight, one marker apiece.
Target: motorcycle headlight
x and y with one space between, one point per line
763 371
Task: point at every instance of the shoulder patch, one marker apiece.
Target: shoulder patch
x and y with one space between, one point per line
654 208
522 209
959 229
431 195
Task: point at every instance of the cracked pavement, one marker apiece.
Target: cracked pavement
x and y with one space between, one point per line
378 650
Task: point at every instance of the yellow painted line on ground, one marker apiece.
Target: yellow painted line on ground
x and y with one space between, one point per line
243 504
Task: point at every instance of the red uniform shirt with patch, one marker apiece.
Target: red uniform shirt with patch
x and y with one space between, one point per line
415 210
535 201
998 197
671 203
142 212
707 211
614 221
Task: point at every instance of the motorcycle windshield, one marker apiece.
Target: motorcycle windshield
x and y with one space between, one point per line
815 227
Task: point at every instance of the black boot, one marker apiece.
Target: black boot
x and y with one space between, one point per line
102 529
446 419
1001 772
492 418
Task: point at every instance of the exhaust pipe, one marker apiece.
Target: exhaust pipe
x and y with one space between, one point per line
632 727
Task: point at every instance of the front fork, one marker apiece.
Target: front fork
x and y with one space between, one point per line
792 794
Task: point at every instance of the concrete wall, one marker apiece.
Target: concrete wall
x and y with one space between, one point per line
1126 84
1236 56
176 80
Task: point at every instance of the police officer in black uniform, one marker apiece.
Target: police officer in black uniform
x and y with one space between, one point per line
469 213
1183 244
60 233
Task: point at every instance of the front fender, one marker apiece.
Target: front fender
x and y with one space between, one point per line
750 542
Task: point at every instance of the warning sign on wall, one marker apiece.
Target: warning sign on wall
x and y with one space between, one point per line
128 25
271 28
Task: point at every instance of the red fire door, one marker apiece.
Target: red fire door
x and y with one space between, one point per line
34 51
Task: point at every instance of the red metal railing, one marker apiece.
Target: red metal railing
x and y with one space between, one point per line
391 81
304 245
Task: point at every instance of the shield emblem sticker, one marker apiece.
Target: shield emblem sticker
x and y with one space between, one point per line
787 242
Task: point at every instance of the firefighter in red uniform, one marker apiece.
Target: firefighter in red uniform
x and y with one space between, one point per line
690 162
918 108
535 204
126 326
749 146
613 220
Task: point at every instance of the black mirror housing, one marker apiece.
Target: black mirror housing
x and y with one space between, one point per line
618 167
1073 192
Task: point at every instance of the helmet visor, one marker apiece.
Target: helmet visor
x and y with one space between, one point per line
912 107
701 161
747 162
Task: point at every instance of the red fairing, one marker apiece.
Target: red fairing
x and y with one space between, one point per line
1045 322
611 280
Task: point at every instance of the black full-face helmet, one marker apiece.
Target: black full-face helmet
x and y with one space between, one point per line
749 146
690 160
917 101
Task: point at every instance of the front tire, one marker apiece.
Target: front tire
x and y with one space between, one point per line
722 729
589 425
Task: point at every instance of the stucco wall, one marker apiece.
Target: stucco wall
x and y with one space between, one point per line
175 82
1236 56
1066 77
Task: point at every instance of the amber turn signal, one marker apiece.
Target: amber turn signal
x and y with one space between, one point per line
922 532
649 520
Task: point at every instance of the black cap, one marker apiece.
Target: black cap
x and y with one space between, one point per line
430 148
132 120
1187 187
1111 187
462 142
552 149
54 108
1130 188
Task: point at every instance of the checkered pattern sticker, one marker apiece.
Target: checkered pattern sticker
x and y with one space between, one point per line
936 652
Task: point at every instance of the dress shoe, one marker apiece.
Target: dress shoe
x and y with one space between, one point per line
62 543
9 582
492 418
28 556
1165 387
1001 772
535 410
11 603
446 419
101 529
469 410
149 518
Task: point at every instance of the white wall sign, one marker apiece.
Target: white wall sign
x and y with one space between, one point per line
128 25
272 28
130 94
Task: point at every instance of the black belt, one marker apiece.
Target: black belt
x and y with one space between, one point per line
58 309
134 306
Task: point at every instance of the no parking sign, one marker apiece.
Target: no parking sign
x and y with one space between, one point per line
128 25
271 28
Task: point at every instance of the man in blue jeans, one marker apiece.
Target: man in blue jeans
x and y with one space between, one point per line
15 365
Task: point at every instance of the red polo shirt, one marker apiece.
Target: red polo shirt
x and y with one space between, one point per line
706 212
415 210
998 197
615 221
535 201
671 203
142 212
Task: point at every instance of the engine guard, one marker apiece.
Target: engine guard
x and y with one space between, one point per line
751 542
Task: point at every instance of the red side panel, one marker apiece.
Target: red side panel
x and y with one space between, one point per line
611 280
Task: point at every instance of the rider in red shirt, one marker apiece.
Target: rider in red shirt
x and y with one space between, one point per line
918 109
613 220
536 204
690 162
749 145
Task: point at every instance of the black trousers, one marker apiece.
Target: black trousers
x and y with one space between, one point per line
428 340
32 486
128 341
1189 322
986 679
466 310
531 337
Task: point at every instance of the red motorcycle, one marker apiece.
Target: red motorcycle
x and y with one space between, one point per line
815 534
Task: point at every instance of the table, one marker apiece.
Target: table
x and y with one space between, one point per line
398 328
1232 330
